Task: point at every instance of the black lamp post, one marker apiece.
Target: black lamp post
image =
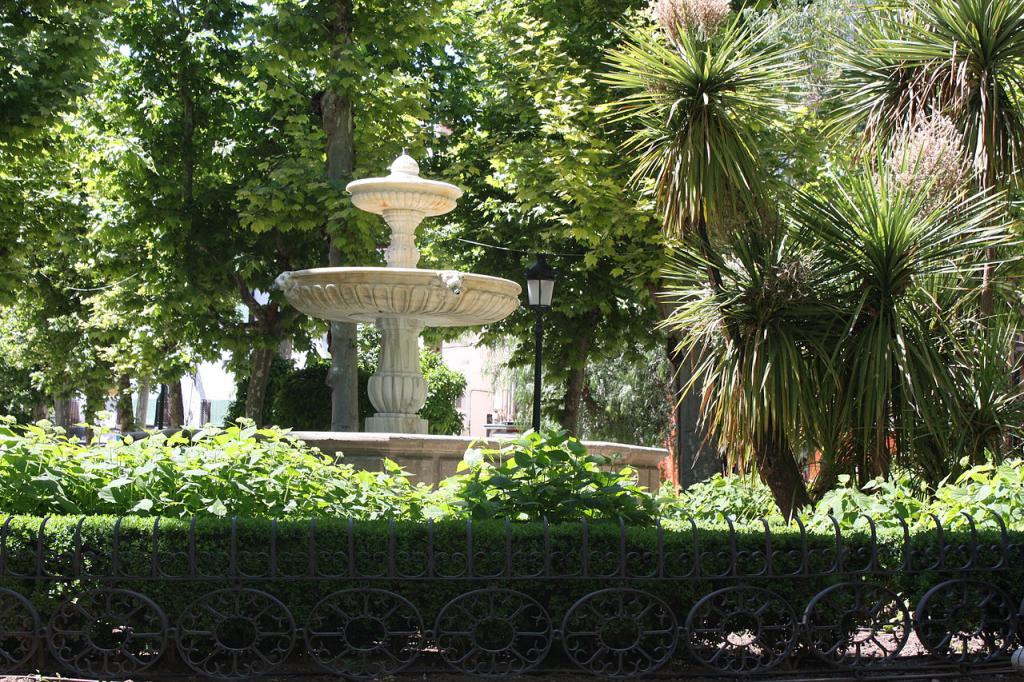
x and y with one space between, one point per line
540 284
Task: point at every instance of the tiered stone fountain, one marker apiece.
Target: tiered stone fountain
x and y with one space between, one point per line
401 299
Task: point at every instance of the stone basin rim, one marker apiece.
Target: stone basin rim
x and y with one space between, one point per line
437 298
400 274
408 184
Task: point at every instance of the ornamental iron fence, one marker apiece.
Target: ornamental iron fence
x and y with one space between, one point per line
374 599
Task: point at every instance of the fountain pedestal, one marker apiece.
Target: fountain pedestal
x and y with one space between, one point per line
398 389
401 299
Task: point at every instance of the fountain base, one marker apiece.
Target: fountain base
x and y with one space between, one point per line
396 423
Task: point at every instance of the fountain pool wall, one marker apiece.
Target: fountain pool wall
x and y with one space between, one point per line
432 458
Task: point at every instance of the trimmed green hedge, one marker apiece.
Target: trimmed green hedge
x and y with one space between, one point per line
563 549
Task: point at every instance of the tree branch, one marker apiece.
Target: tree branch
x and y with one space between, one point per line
247 297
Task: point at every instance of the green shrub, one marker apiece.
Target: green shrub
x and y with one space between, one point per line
237 470
741 498
547 475
302 400
241 470
279 370
445 387
448 547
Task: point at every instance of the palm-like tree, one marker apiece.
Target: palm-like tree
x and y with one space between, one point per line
842 339
758 380
963 59
701 106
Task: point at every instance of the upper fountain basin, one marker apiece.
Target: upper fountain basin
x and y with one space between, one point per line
404 189
437 298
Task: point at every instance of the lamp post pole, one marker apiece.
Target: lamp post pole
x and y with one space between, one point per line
538 353
540 284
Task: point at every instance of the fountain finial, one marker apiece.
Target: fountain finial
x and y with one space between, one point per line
405 165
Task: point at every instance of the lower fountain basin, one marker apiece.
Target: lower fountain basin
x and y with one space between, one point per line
432 458
437 298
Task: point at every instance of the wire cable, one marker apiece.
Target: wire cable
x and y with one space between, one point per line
511 250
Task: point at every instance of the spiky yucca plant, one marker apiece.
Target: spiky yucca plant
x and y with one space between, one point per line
755 337
700 101
895 254
697 108
833 334
962 59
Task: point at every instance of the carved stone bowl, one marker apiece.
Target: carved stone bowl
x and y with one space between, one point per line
437 298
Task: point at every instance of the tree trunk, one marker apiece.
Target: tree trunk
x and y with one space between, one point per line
175 408
60 412
569 419
142 406
40 411
781 473
260 362
696 455
338 124
826 478
125 415
343 377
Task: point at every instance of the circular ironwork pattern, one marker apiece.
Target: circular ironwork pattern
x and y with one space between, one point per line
19 625
235 633
365 633
966 620
857 625
493 632
108 633
741 630
619 632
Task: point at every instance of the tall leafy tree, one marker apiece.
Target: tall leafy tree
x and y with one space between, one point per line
520 97
48 52
162 117
353 77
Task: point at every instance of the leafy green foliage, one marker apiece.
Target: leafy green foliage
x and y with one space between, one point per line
626 396
49 50
549 476
302 399
741 498
445 388
981 491
280 371
17 394
234 471
542 173
267 473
